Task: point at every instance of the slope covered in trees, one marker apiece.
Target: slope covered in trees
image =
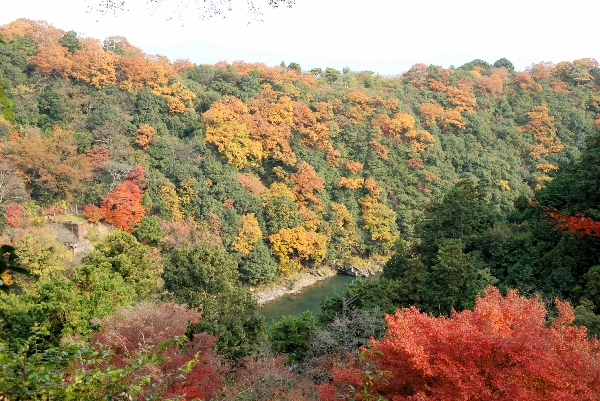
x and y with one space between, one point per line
220 176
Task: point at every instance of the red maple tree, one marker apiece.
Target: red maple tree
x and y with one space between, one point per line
577 223
188 371
14 215
502 350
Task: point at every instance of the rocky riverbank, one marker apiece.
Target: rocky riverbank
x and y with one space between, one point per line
299 282
293 286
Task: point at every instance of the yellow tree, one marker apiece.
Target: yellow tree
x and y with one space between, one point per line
362 102
179 98
350 183
248 234
41 253
171 201
52 59
333 157
144 135
490 85
310 220
278 190
136 72
541 126
379 149
354 167
434 113
379 219
461 96
294 245
316 134
226 129
431 111
93 65
40 32
270 124
402 122
419 139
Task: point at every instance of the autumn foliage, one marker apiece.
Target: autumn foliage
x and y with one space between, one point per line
248 234
93 213
296 244
144 135
354 167
189 370
226 128
502 350
307 181
122 207
541 126
577 223
51 162
14 215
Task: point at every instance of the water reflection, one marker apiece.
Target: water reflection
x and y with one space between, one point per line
309 299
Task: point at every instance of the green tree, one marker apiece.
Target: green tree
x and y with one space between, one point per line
9 263
295 66
258 266
291 334
204 276
73 371
577 187
250 85
41 253
149 230
281 212
332 75
121 254
477 62
462 213
592 286
504 63
6 105
452 282
585 317
63 307
70 41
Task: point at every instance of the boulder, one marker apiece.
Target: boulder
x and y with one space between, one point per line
356 271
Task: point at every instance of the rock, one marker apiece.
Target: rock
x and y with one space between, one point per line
356 271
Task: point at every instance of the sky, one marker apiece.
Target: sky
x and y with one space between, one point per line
383 36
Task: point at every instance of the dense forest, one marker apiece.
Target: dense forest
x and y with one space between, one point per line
143 200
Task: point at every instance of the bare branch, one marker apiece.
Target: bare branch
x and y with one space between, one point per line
207 9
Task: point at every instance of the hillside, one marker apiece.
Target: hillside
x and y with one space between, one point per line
340 162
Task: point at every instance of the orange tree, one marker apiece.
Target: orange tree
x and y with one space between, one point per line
123 207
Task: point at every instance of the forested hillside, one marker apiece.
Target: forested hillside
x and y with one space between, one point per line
220 177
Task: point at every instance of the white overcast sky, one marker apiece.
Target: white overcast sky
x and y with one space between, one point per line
383 36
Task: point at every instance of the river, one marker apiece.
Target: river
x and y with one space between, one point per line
309 299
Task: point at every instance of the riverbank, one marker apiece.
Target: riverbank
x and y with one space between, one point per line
301 281
293 285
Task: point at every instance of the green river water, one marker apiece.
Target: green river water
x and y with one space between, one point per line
309 299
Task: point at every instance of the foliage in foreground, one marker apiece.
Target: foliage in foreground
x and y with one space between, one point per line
500 350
